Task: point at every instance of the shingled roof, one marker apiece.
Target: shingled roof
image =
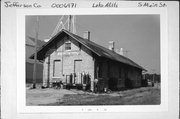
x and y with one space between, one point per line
97 49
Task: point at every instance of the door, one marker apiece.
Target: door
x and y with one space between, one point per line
78 71
57 68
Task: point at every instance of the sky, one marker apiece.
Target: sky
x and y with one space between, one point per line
137 34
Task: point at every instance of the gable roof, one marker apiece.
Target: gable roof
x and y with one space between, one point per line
97 49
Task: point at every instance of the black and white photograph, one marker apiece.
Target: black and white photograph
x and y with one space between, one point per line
92 60
89 59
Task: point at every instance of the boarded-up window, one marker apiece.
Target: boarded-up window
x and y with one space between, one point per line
57 68
77 66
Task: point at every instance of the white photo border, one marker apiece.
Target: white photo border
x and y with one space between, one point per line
21 87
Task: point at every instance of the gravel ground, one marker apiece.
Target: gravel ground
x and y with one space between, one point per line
45 96
139 96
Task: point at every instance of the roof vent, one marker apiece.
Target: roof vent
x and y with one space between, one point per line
111 45
87 35
121 51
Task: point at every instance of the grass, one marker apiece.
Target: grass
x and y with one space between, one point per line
147 97
54 97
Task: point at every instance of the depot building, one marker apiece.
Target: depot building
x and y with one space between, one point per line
71 59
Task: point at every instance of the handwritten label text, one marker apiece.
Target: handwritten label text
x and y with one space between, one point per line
64 5
151 4
108 5
18 5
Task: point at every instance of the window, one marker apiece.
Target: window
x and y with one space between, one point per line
67 46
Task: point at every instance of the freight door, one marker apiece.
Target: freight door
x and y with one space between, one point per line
57 68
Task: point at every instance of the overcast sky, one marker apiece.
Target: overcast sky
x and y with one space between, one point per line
137 34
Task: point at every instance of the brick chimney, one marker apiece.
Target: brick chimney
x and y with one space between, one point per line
111 45
87 35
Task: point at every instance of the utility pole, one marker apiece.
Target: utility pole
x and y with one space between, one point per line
48 71
73 23
69 23
35 54
153 74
